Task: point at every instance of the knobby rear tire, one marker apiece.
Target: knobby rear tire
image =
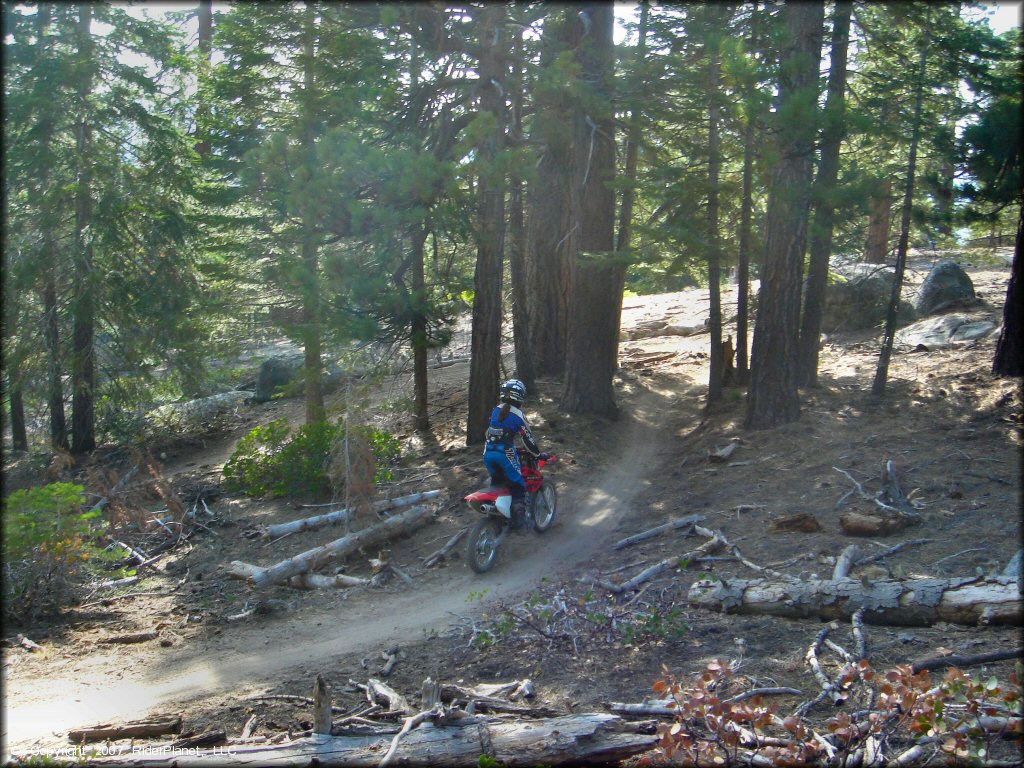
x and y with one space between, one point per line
482 547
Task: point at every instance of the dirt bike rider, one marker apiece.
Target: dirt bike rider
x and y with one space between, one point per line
500 454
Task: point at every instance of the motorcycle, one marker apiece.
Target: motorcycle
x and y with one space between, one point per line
495 504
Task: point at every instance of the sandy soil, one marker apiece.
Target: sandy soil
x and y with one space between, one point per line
952 430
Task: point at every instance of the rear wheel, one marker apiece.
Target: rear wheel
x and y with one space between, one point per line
482 547
544 502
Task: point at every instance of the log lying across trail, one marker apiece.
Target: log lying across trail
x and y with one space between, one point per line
314 558
912 602
590 738
318 521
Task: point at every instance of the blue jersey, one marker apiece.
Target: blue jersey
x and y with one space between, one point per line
501 433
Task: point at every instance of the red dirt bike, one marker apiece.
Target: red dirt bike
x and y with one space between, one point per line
495 504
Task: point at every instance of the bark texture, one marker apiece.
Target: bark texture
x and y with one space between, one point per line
916 602
584 739
598 276
773 398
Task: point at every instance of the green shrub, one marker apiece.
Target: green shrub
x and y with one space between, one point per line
49 544
273 461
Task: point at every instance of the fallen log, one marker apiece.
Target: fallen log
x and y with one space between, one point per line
652 532
582 739
319 556
913 602
157 725
318 521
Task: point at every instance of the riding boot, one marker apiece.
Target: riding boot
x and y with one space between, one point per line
518 514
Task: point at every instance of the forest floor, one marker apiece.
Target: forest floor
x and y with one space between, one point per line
952 430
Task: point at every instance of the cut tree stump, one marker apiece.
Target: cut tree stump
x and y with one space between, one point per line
315 558
157 725
913 602
582 739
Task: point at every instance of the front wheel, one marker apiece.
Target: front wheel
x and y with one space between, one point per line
482 547
544 502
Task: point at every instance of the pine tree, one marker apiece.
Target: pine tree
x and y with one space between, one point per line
773 398
598 275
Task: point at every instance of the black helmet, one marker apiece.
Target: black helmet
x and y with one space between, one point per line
513 391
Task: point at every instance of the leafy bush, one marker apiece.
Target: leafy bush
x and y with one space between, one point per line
48 544
273 461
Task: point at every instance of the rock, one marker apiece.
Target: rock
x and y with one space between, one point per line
278 373
275 374
196 413
946 286
943 332
860 302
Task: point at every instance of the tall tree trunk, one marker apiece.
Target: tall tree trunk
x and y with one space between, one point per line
882 369
51 333
625 233
484 364
551 237
517 235
746 211
598 279
311 327
833 130
773 397
205 14
48 258
879 216
1009 359
19 434
83 365
717 359
421 418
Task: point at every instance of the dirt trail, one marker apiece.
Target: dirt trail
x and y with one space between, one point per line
104 687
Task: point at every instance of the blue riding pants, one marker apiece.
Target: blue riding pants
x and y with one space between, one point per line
503 467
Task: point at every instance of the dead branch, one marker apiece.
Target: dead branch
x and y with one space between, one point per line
657 531
890 551
410 722
966 661
715 544
205 739
130 638
432 559
845 561
828 687
156 725
379 692
296 698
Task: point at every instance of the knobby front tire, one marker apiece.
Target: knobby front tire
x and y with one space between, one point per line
545 502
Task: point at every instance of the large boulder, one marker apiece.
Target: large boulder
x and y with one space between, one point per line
946 286
278 374
942 332
861 301
275 374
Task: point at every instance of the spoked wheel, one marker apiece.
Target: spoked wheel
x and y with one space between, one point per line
544 502
482 547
